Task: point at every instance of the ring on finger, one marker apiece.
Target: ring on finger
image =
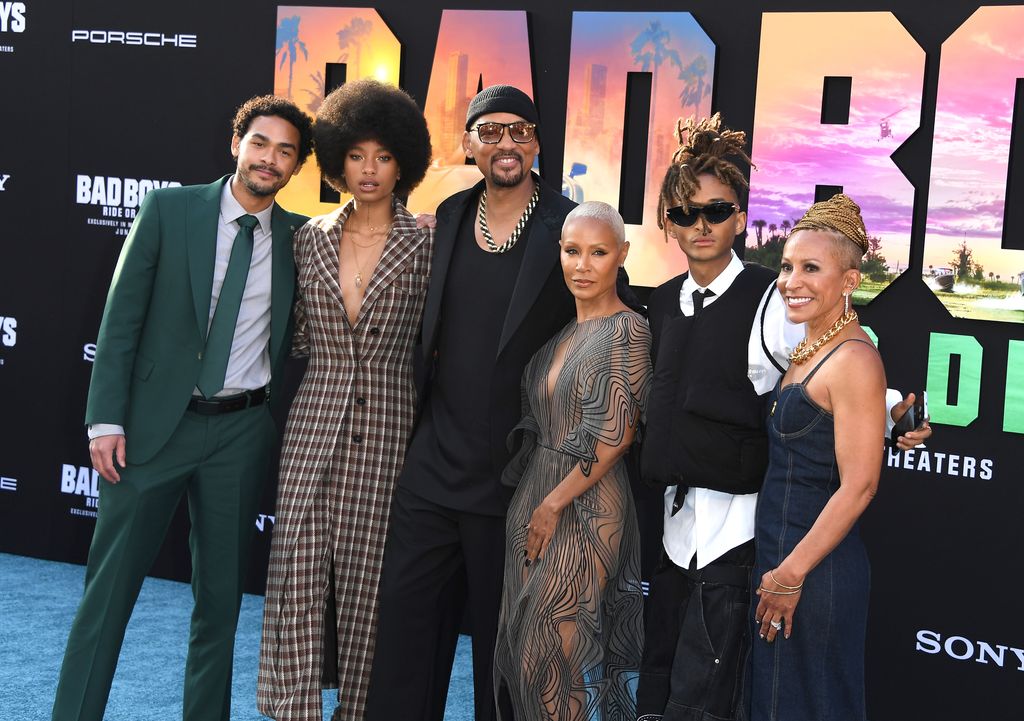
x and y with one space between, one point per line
776 624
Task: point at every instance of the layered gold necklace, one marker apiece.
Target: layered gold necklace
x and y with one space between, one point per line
805 350
370 230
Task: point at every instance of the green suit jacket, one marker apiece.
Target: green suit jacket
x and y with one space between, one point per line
148 351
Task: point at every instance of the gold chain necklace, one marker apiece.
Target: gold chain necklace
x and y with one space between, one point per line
805 350
368 245
358 278
486 232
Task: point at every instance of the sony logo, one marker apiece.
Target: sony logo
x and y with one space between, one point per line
12 17
122 37
964 649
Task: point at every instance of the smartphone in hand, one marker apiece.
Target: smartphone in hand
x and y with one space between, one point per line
914 417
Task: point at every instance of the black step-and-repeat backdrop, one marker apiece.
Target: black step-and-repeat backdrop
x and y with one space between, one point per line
914 108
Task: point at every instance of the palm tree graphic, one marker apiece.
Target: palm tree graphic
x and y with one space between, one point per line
318 92
650 49
288 45
352 34
695 89
759 229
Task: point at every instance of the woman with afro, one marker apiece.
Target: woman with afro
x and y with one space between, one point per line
362 279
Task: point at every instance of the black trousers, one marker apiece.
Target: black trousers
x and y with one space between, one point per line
435 560
697 641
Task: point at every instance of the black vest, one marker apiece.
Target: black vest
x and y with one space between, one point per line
705 422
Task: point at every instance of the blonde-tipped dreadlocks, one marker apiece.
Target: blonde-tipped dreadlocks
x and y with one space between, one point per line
704 147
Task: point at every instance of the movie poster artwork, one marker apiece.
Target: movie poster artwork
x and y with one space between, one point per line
606 47
795 151
309 41
966 263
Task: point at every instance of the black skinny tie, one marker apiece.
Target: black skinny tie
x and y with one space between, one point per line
698 300
698 306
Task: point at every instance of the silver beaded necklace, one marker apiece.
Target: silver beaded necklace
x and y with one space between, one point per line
516 232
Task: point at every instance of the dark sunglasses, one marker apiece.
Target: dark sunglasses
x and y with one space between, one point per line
520 131
715 213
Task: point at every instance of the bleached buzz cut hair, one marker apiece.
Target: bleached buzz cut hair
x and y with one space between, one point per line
601 212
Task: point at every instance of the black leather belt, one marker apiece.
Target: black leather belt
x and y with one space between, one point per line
227 404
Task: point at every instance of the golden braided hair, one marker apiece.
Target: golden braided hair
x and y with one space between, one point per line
705 147
840 214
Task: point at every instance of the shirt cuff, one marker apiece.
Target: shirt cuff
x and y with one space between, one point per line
105 429
892 397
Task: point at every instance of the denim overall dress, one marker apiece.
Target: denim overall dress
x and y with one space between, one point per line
818 673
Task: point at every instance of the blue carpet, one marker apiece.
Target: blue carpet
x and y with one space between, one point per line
38 600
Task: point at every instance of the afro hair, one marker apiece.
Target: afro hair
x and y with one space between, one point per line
371 110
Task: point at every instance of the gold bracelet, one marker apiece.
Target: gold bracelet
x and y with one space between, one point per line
782 585
779 593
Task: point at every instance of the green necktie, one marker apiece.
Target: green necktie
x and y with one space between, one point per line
222 329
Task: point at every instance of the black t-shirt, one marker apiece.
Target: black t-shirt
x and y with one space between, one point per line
449 458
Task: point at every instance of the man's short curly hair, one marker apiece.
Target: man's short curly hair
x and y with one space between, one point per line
279 107
371 110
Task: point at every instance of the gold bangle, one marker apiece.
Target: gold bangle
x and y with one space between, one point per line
782 585
779 593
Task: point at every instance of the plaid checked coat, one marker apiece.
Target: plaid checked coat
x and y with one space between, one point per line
344 445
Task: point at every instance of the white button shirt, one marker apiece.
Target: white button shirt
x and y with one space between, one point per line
711 523
249 361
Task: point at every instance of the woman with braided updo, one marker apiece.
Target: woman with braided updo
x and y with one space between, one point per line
825 420
721 340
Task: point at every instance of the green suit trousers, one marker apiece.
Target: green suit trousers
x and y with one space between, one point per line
220 462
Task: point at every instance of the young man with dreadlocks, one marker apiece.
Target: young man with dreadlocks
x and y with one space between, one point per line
720 342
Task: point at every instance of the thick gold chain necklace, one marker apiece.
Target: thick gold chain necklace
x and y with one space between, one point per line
805 350
486 232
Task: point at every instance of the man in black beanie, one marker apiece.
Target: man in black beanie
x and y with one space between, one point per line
496 296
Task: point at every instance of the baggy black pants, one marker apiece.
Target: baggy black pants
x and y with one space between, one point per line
697 643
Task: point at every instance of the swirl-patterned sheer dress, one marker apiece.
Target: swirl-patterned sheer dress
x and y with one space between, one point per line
570 634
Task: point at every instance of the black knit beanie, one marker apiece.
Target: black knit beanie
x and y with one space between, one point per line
501 99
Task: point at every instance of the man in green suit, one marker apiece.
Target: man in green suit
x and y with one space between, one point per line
193 340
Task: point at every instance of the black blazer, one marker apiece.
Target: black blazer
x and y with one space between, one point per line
541 305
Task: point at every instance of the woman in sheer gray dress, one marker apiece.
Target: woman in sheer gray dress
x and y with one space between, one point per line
570 634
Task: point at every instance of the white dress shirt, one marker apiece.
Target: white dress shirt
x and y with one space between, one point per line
249 361
711 523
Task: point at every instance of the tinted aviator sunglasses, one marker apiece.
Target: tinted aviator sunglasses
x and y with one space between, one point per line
715 213
520 131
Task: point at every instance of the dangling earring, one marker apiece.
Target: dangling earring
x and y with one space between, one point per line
846 304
